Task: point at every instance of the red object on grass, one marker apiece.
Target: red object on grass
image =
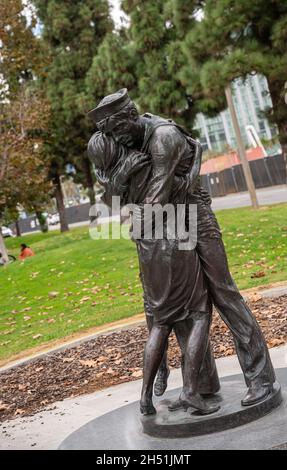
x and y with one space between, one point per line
26 253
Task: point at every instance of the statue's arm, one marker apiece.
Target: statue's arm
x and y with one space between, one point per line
132 163
192 177
165 155
186 184
116 180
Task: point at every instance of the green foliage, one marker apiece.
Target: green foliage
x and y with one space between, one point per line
233 40
73 31
111 69
145 57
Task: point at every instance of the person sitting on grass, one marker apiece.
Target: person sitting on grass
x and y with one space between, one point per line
26 252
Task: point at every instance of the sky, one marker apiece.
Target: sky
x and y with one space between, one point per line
117 14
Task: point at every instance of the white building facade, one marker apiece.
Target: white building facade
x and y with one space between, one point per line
251 97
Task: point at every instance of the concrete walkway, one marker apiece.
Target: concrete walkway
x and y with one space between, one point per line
47 429
266 196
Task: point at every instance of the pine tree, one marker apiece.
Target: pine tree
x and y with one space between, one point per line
73 30
112 68
157 57
233 40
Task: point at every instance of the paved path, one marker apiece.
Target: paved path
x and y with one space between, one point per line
47 429
271 195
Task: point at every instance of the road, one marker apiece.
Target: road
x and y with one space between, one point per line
271 195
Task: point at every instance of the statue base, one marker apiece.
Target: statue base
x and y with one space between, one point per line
261 426
180 423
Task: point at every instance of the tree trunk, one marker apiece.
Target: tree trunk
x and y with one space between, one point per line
3 249
60 204
17 227
279 113
89 179
241 150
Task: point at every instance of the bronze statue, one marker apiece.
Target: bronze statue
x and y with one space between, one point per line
180 300
174 177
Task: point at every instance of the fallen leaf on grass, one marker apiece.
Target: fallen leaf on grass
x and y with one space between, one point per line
53 294
37 336
258 274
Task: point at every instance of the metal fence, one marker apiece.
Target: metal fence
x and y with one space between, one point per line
74 214
267 171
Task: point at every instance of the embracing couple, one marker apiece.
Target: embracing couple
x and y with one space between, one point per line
150 160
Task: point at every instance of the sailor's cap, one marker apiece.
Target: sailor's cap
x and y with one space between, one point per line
110 105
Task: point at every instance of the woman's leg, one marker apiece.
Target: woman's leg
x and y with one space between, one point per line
194 354
163 371
153 354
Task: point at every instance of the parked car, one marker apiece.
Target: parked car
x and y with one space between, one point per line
7 232
53 219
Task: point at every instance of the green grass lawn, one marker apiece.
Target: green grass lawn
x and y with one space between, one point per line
74 283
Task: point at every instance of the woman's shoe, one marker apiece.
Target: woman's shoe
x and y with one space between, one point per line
161 382
147 409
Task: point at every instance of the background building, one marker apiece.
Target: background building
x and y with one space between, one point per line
251 98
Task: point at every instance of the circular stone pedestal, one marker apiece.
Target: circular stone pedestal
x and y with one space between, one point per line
123 428
180 423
